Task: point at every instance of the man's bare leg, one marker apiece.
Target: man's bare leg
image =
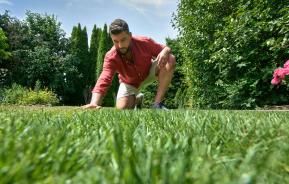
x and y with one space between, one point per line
127 102
165 76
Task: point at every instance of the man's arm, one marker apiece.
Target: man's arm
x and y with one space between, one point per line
102 84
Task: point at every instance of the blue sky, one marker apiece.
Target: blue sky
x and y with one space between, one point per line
145 17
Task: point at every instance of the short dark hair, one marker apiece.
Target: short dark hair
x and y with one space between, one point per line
118 26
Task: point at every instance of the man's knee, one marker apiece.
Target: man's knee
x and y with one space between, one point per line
171 64
127 102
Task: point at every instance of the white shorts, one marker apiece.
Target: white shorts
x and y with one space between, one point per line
128 90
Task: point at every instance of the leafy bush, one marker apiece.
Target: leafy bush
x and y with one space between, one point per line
1 94
42 97
14 94
231 49
23 96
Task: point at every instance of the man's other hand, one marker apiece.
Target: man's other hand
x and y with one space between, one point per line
163 57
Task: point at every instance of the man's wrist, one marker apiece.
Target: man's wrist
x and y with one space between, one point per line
168 50
96 99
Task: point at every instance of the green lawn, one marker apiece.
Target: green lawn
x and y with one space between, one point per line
70 145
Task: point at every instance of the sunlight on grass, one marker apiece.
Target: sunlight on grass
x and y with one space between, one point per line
68 144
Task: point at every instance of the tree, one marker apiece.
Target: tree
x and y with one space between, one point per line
41 66
93 50
66 79
18 41
84 55
85 65
40 52
46 47
79 50
230 49
4 54
102 49
45 30
74 40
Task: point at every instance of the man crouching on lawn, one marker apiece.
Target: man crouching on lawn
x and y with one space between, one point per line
138 61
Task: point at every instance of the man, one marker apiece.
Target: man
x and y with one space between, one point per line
132 58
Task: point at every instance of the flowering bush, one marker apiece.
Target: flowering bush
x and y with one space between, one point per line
280 73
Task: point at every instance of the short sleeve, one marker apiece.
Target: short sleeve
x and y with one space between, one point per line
155 47
105 79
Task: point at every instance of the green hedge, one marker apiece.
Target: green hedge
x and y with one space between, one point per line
231 49
22 96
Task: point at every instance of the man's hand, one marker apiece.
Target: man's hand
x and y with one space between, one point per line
163 57
95 100
91 106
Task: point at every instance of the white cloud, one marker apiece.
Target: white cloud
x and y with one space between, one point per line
5 2
86 1
141 10
147 2
70 3
145 7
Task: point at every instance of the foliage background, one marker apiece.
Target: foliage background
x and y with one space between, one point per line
38 50
226 53
231 49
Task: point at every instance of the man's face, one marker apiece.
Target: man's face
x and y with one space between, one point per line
121 41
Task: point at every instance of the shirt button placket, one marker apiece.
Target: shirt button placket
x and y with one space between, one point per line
139 75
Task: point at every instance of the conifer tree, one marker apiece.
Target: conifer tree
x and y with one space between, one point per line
115 82
102 49
84 57
85 66
94 43
79 49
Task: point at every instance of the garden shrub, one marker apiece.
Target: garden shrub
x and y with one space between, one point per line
22 96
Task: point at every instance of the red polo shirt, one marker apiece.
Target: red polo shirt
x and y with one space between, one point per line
143 49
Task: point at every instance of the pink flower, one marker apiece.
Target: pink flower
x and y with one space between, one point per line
286 64
279 75
275 81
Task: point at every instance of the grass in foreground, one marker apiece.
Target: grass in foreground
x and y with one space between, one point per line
70 145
